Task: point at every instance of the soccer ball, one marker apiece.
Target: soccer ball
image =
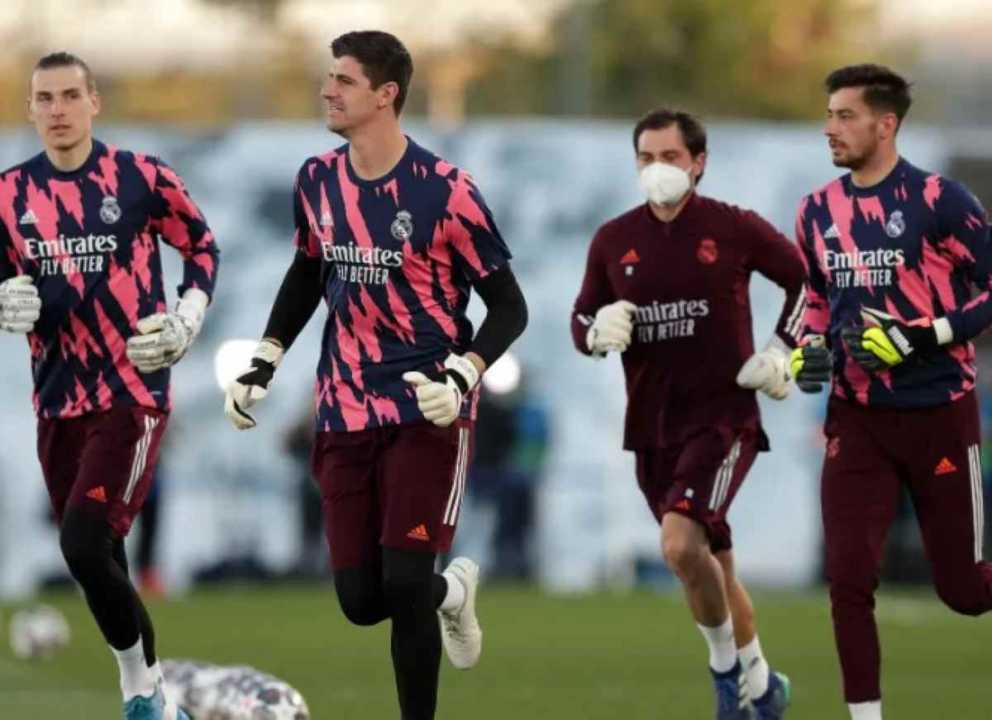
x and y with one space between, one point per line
38 633
217 692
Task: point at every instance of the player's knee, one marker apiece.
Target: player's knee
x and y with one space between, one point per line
84 558
683 554
962 599
360 610
360 601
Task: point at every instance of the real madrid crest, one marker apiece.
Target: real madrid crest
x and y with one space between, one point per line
402 227
896 225
110 211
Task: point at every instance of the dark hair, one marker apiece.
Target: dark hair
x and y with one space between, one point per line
383 58
66 59
883 89
693 132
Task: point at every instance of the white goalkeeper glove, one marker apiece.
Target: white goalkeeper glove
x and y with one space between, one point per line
612 328
252 385
20 306
767 370
163 338
440 400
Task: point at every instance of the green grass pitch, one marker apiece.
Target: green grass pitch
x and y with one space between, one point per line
596 657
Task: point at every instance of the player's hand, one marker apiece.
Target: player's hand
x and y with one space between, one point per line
440 399
767 371
252 385
164 338
612 328
20 306
812 364
885 341
161 342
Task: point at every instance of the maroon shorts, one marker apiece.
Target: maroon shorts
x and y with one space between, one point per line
399 487
102 461
699 477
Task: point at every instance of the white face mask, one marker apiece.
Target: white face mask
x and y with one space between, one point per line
664 184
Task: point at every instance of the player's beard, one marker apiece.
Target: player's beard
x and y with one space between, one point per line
855 161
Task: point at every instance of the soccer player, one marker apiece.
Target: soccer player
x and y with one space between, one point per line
894 255
80 229
666 285
394 239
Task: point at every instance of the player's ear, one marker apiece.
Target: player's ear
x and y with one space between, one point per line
387 93
96 101
698 166
888 123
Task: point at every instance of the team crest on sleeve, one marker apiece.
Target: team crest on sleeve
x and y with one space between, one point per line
110 211
896 224
402 227
707 253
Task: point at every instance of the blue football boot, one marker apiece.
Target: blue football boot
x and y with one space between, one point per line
154 707
772 705
732 702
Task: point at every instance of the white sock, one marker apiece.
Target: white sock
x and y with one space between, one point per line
866 710
136 677
756 667
455 597
723 650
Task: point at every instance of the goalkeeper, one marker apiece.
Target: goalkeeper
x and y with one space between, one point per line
81 276
394 240
666 285
895 255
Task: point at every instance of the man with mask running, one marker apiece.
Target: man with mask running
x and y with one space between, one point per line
666 285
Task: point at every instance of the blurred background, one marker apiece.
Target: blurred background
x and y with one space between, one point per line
537 99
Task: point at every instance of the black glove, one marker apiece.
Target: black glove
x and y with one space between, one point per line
812 364
885 341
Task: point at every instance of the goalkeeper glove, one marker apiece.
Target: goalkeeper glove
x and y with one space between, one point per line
20 306
440 400
767 371
252 385
164 338
811 364
612 328
885 341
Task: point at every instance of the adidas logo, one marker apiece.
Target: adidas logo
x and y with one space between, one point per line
326 220
419 533
831 233
29 218
944 467
630 257
97 493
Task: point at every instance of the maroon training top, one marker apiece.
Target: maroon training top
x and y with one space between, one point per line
689 279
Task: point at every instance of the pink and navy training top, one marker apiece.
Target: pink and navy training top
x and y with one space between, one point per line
915 246
90 239
399 256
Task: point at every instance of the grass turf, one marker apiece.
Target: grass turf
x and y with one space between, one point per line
603 656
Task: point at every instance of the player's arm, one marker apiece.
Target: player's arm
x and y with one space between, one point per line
963 236
772 255
440 399
481 254
20 306
811 364
295 303
164 338
600 322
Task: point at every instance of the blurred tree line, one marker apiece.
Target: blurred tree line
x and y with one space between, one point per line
761 58
600 58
